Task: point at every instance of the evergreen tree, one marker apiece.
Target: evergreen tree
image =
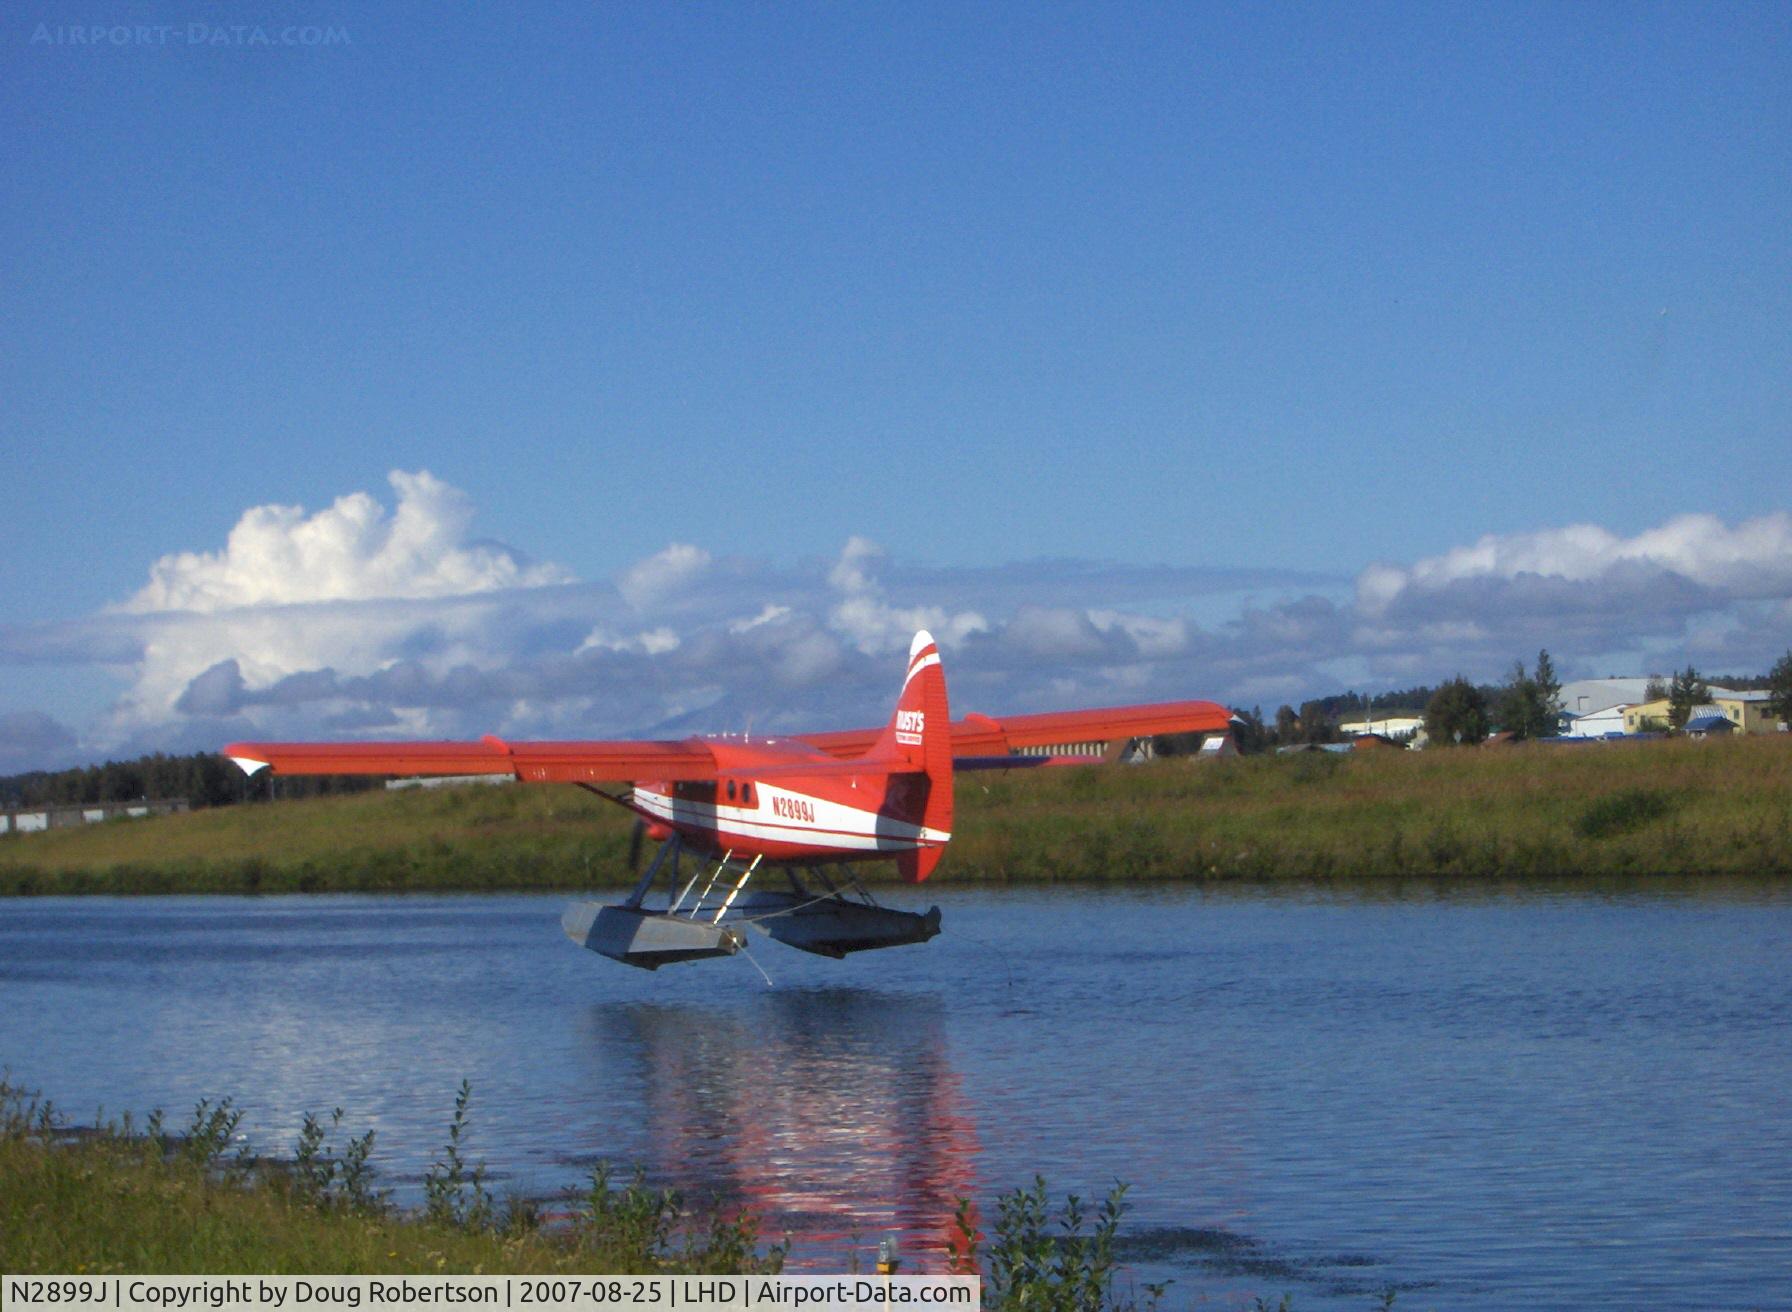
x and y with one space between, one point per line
1687 691
1287 726
1456 713
1779 683
1549 694
1250 733
1530 704
1516 708
1316 725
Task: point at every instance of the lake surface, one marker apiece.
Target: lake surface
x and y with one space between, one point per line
1546 1099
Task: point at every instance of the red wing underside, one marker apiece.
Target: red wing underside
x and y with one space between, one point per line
975 740
547 762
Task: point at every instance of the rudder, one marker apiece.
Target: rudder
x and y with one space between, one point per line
919 735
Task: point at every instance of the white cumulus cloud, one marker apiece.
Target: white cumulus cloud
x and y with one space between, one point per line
351 589
1750 559
356 620
651 642
651 580
870 623
352 551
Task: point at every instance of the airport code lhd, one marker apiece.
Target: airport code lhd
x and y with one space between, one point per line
845 1293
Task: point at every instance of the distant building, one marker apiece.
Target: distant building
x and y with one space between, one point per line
36 819
448 781
1745 710
1133 751
1588 696
1709 726
1387 726
1597 724
1376 742
1748 710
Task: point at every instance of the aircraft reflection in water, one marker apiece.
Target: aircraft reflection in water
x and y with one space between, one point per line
833 1114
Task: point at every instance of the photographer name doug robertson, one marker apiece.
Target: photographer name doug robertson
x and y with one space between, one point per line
291 1291
377 1293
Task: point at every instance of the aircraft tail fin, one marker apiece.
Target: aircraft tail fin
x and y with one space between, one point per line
919 735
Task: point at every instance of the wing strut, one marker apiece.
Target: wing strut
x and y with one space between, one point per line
734 892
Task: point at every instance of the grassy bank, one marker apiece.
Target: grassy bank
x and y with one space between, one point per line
1654 808
1673 807
118 1199
114 1198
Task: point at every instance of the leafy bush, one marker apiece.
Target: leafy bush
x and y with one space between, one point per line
1041 1261
325 1179
455 1195
1622 813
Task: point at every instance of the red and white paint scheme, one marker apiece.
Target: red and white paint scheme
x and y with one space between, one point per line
791 802
801 803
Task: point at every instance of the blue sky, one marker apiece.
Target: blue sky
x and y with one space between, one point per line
1234 350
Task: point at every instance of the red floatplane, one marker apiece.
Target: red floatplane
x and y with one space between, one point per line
806 805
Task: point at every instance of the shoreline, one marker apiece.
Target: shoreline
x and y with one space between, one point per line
1454 817
1351 887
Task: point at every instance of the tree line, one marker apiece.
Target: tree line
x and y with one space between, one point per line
204 779
1527 705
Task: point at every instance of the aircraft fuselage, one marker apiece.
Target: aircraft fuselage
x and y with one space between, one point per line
761 805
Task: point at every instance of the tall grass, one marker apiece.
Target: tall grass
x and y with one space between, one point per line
1461 814
1666 807
120 1198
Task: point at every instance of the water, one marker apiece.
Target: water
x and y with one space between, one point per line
1540 1099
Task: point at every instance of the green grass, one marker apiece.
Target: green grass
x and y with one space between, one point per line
1464 814
120 1199
420 839
1674 807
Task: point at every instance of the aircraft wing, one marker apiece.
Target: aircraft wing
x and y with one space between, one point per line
538 762
979 741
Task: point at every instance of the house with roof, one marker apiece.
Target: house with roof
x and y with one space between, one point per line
1746 711
1749 710
1711 724
1590 696
1401 727
1607 722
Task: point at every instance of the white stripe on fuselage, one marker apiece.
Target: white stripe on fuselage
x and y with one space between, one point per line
836 826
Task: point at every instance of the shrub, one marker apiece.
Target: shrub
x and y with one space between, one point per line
1622 813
